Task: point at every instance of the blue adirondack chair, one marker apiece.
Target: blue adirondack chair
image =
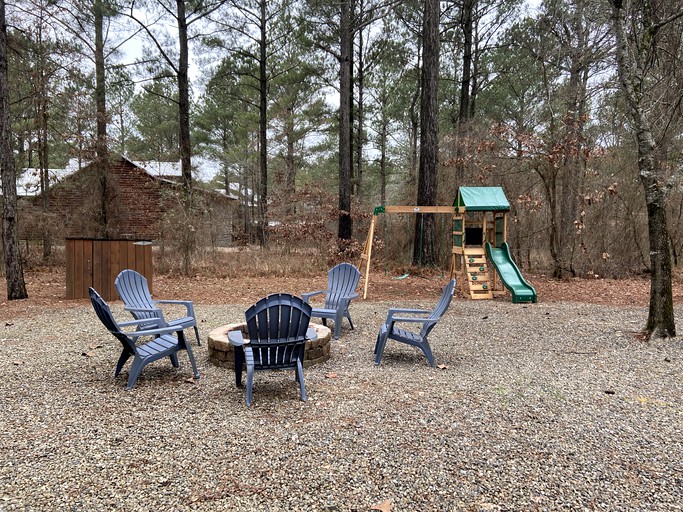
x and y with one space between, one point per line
428 319
277 330
342 281
134 293
163 342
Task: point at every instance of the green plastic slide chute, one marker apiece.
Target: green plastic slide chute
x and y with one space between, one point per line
509 273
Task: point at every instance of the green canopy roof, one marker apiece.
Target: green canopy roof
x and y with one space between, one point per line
482 199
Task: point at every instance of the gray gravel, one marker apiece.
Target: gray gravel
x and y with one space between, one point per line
536 407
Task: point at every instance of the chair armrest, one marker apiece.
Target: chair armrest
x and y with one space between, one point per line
311 334
158 331
396 319
187 303
308 295
153 320
142 310
392 312
236 339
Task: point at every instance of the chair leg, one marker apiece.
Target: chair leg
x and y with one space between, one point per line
337 325
250 383
135 370
192 361
239 362
348 317
381 342
174 360
196 333
300 378
122 360
424 346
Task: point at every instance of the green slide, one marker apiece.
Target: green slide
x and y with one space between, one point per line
512 278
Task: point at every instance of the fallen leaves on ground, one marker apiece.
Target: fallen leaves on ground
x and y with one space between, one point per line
47 290
385 506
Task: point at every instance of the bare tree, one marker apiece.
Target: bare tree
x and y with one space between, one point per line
645 75
14 273
177 58
424 250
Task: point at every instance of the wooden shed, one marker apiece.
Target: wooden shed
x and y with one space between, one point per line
96 263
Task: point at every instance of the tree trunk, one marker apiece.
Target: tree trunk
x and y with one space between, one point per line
383 164
344 231
101 149
465 85
189 239
660 321
44 176
263 133
424 250
290 162
360 111
43 153
572 169
14 273
184 100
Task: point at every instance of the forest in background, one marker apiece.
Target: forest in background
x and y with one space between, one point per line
313 108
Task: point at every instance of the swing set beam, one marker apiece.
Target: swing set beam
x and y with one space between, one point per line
367 248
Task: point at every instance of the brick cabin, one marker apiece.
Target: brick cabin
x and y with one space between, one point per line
139 205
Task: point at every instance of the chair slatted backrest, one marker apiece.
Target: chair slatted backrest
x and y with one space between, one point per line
134 292
276 327
440 308
342 281
104 314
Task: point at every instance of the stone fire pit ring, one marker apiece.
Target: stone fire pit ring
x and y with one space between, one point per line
221 353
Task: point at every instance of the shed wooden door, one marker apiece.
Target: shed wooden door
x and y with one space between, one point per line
96 263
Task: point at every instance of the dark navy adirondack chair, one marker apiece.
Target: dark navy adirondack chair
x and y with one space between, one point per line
342 281
428 320
277 329
134 293
163 344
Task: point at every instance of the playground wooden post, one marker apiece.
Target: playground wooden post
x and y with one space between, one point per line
367 247
367 253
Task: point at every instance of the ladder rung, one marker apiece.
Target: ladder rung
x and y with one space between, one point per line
480 288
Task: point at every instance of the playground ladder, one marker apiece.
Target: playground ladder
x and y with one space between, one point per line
477 273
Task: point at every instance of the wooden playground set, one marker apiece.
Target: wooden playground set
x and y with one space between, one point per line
479 228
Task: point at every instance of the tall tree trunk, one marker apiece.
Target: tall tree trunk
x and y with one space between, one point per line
14 273
467 23
660 321
290 164
184 100
344 231
44 175
383 164
43 152
414 117
262 133
101 149
424 250
360 108
189 239
571 171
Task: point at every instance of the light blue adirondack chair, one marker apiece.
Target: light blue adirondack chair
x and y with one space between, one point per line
427 318
342 281
277 330
163 343
137 299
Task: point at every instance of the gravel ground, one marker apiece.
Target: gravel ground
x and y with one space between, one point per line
534 407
